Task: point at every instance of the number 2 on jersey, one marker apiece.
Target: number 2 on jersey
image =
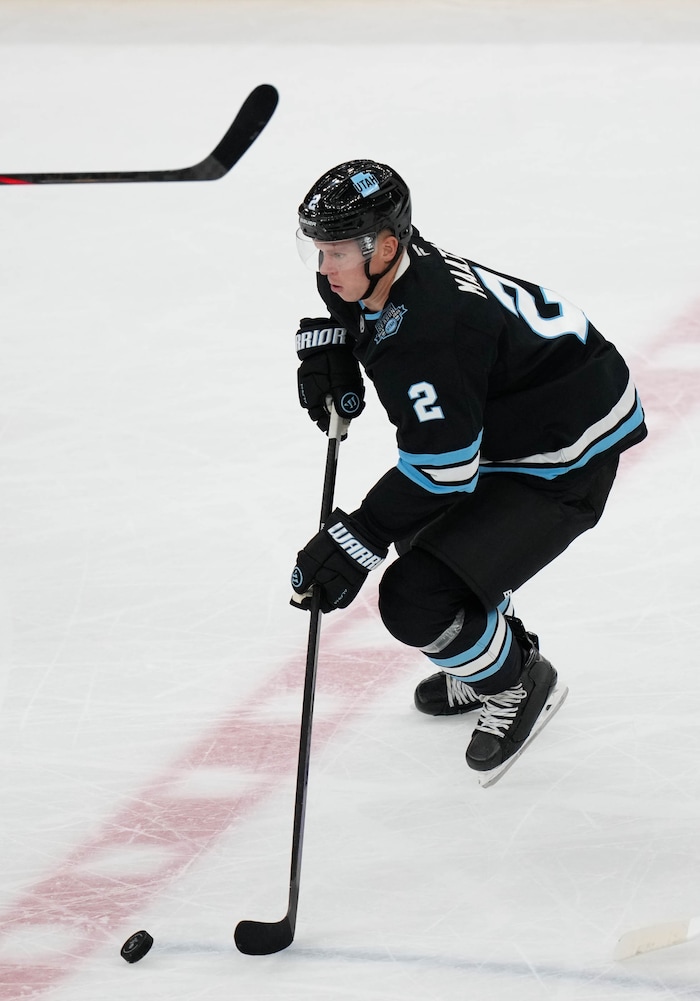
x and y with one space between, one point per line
521 302
425 405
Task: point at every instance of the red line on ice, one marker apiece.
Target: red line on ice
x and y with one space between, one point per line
669 389
91 907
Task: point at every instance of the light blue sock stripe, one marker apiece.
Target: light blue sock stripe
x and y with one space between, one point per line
507 601
479 648
467 657
496 666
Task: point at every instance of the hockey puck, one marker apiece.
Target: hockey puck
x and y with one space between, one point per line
136 947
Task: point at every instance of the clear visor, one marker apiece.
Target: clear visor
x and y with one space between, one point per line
342 255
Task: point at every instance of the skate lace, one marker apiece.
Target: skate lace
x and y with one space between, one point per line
499 711
459 692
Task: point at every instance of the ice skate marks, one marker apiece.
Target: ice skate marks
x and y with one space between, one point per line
554 702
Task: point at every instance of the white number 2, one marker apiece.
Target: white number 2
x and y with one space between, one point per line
521 302
425 404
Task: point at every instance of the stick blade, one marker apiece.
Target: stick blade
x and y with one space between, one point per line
660 936
263 938
256 111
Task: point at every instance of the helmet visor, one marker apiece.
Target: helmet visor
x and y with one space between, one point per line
338 255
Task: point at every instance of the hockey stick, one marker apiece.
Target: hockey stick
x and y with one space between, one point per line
261 938
256 111
660 936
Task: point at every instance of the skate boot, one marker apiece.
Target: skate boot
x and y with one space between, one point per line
444 695
511 719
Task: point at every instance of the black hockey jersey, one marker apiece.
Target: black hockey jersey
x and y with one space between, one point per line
482 373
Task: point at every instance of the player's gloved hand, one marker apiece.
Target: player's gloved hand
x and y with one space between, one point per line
328 368
337 560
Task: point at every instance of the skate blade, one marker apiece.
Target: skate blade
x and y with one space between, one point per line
554 702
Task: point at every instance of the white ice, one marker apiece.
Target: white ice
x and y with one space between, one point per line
157 477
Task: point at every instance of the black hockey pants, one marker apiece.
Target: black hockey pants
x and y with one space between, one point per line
448 590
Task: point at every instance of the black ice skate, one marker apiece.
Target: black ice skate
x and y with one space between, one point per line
444 695
512 719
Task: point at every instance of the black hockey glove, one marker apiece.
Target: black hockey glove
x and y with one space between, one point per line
337 560
328 368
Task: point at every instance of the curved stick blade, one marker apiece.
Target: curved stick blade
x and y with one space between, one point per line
256 111
262 938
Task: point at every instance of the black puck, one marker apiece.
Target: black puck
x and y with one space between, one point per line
136 947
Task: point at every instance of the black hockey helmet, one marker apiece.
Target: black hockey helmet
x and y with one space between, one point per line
354 199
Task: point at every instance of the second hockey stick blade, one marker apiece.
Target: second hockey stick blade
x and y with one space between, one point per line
653 937
256 111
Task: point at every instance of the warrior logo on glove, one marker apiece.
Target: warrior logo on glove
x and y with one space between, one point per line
350 404
337 560
318 337
328 369
353 547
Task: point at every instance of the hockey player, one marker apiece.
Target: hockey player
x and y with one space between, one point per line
511 411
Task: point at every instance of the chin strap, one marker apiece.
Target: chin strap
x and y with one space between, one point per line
375 279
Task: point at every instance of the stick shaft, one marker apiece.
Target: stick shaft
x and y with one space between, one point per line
334 435
261 938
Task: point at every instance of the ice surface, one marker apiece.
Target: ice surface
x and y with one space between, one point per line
158 478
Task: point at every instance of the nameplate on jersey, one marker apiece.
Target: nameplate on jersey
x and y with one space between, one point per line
464 277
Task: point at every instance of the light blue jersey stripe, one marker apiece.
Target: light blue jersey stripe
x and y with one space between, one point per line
443 472
454 458
435 488
545 468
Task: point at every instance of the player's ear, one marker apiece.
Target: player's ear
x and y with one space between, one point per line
389 247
